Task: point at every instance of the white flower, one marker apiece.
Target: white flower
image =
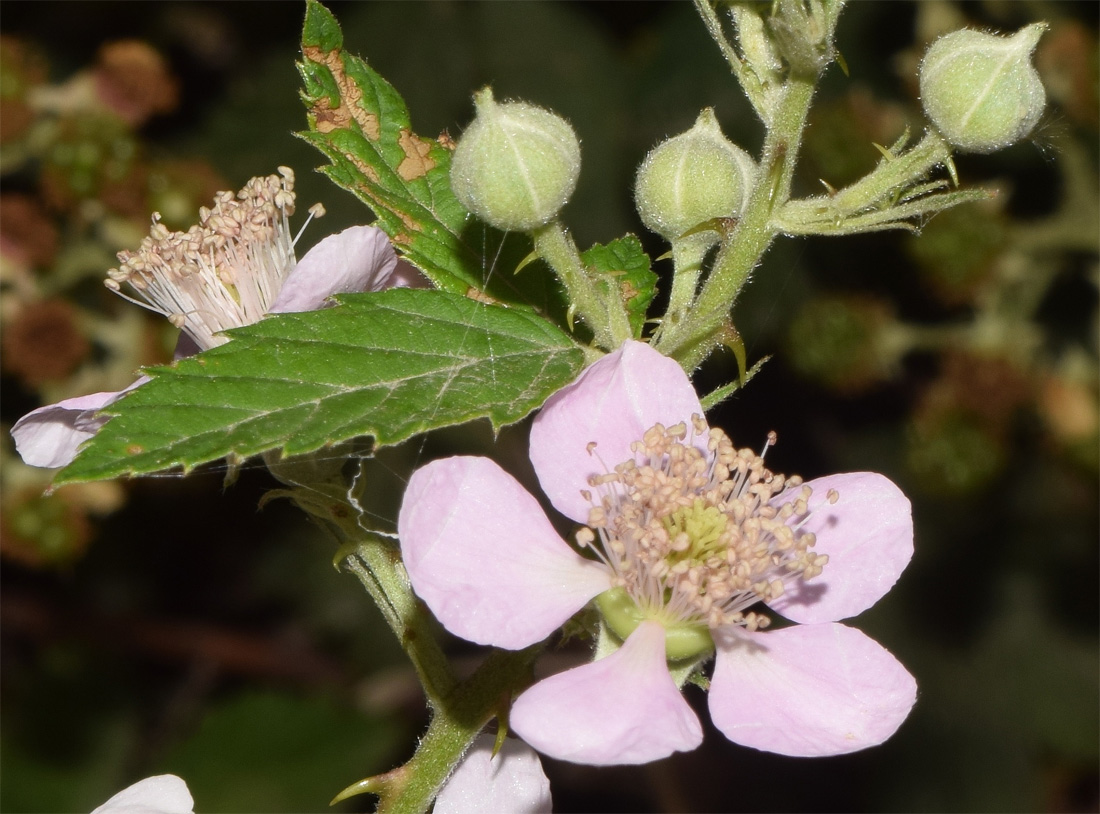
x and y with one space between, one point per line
162 794
512 781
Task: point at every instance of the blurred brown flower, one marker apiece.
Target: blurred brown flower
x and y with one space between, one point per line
133 80
44 343
28 236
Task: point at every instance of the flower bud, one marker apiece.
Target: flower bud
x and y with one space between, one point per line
692 178
980 90
516 165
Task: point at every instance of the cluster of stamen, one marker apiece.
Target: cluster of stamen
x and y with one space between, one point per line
224 272
698 537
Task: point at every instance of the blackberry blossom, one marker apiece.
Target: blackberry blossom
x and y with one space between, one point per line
692 541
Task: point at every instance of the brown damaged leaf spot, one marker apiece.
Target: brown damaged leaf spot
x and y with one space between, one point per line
328 118
481 296
417 161
407 219
368 171
371 174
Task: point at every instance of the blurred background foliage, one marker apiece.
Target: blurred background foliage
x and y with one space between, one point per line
166 625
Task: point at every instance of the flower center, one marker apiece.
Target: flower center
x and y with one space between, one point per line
224 272
696 532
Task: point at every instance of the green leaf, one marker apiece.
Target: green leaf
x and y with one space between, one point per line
390 364
628 265
361 123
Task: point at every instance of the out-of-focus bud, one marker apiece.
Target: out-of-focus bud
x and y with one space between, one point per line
959 434
954 453
980 90
838 341
516 165
692 178
1067 62
44 342
957 251
1069 408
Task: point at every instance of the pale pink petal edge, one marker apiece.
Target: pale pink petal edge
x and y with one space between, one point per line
162 794
622 709
359 258
50 436
481 553
612 403
808 690
868 537
511 781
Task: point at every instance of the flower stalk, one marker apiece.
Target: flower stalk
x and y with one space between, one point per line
377 565
455 723
597 305
894 175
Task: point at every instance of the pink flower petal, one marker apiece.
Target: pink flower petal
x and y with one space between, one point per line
624 708
612 403
480 551
406 275
868 535
513 781
51 435
163 794
356 259
808 691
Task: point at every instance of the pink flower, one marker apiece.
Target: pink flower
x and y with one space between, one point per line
512 781
233 268
687 534
163 794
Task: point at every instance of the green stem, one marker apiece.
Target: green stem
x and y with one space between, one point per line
884 182
595 301
456 722
688 254
378 567
748 80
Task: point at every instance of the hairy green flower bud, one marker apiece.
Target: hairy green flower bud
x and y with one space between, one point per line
980 90
516 165
692 178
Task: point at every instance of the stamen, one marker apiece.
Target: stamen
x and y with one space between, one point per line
697 537
315 211
224 272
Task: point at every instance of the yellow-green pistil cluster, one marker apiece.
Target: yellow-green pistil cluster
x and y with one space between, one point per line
695 538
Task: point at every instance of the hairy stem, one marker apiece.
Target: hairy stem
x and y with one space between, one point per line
597 303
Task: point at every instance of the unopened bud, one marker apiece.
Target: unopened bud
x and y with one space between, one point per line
980 90
516 165
692 178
